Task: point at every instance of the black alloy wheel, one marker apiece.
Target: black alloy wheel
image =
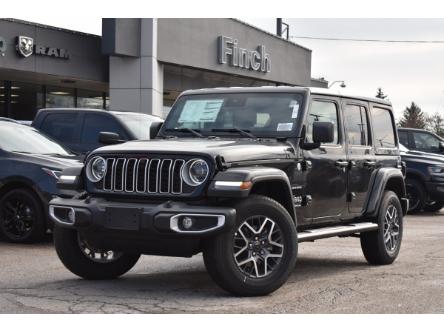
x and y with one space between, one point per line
21 216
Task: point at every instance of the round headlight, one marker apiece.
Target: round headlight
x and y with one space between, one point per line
195 172
96 169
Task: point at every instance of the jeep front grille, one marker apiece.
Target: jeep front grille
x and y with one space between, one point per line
144 176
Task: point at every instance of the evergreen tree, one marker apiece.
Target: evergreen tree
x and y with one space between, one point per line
435 124
380 94
413 117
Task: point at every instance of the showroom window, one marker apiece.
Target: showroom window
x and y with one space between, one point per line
60 97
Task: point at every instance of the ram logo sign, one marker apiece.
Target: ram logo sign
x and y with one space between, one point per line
25 46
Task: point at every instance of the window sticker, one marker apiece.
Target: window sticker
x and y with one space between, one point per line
282 127
294 105
200 110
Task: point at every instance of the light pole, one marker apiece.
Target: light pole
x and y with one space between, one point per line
342 84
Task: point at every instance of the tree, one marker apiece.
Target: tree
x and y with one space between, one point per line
380 94
435 124
413 117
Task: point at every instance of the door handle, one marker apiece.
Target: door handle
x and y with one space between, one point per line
370 164
341 164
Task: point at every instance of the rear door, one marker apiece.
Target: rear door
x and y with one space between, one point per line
63 127
362 162
327 178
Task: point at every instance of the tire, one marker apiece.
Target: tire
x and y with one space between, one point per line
434 207
22 218
374 246
68 247
253 279
417 195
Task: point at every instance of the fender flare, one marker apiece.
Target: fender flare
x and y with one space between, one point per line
220 184
378 184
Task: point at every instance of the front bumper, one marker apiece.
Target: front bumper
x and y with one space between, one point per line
149 228
435 190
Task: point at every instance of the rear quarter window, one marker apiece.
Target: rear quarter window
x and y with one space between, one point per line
383 130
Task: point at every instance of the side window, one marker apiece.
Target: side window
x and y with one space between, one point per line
404 138
322 111
96 123
60 126
357 125
383 128
426 141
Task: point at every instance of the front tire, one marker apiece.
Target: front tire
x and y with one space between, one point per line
22 219
87 262
416 194
258 254
381 246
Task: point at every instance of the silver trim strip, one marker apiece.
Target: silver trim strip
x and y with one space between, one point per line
342 230
174 223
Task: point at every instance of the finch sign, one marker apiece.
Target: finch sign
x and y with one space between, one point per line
231 54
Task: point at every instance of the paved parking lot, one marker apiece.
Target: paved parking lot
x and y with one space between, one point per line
331 277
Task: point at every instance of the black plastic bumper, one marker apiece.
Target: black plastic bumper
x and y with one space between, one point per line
149 228
435 191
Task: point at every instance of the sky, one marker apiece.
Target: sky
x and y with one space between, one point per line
405 72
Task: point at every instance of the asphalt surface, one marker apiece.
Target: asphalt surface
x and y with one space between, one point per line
331 276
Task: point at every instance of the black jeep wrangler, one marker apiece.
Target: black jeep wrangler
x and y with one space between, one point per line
242 175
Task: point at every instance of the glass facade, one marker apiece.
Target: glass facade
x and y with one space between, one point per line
22 100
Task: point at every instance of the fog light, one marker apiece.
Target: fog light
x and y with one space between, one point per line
187 222
71 216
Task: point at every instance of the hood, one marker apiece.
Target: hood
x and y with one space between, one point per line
422 157
50 161
232 150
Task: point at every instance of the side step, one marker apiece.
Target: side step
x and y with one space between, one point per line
342 230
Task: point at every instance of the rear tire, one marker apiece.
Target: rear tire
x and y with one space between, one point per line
70 248
416 194
381 246
258 254
434 207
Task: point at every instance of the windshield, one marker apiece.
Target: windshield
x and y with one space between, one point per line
260 114
25 139
138 124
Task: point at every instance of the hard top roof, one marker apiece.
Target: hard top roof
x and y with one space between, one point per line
288 89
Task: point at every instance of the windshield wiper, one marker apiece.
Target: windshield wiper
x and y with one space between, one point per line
235 130
186 130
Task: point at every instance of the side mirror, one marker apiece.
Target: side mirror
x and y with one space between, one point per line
110 138
154 129
441 146
323 132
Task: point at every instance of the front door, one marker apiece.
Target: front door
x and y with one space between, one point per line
327 176
360 153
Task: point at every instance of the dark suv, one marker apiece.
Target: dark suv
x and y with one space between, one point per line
424 180
79 129
242 175
421 140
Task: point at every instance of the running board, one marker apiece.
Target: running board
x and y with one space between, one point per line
342 230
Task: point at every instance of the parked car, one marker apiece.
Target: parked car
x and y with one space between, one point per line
79 129
424 180
421 140
242 175
30 164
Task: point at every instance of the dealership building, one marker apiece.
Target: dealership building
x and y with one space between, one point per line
139 65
